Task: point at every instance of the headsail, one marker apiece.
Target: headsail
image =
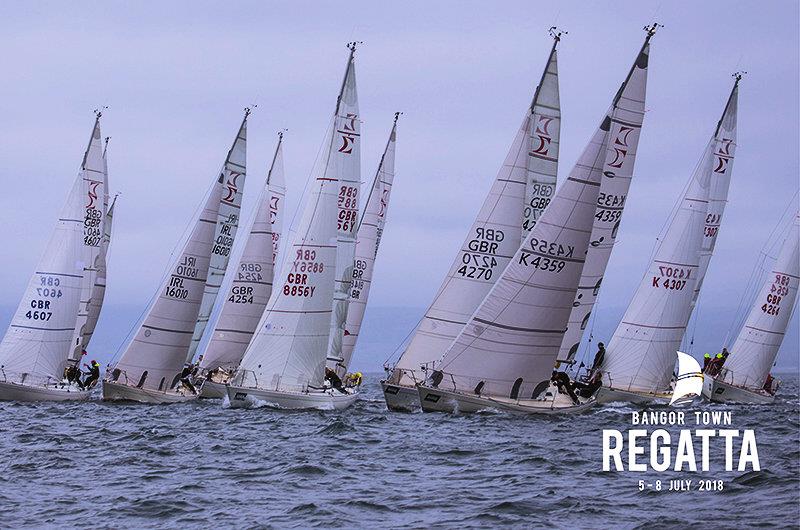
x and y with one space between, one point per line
370 230
724 148
233 176
154 358
496 233
755 349
624 125
511 341
640 356
41 336
290 347
250 290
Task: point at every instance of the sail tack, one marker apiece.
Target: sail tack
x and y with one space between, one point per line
754 351
308 308
522 188
370 231
42 335
251 288
511 341
233 176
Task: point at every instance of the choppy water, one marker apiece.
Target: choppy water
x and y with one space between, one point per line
111 465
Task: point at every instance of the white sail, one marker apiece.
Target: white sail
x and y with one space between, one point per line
724 150
640 356
41 336
345 165
496 232
689 383
624 124
756 347
512 340
370 230
290 347
233 175
99 291
250 290
155 356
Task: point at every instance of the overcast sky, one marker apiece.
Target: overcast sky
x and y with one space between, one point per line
176 76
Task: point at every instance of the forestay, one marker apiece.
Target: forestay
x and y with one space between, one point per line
155 356
624 125
370 230
756 347
233 176
289 349
251 287
528 174
512 340
39 339
724 147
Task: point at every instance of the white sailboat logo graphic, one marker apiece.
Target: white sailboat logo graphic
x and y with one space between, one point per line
689 383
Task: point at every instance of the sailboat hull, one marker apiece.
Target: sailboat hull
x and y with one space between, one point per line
243 397
612 395
437 400
722 392
121 392
400 398
213 390
19 392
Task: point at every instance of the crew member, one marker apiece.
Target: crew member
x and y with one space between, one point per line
335 380
186 377
92 375
599 357
706 361
564 384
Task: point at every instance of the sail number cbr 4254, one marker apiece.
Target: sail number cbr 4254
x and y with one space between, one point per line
297 280
546 255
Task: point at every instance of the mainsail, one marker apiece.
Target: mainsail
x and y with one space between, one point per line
233 176
154 358
624 125
756 347
511 341
344 164
522 188
641 354
724 147
42 333
252 284
99 291
290 347
370 230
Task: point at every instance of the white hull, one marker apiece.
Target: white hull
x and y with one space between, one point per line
20 392
213 390
437 400
122 392
611 395
721 392
400 398
242 397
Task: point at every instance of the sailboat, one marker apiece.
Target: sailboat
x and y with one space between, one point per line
251 287
149 369
689 381
503 358
370 232
640 357
47 331
524 186
745 377
284 364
